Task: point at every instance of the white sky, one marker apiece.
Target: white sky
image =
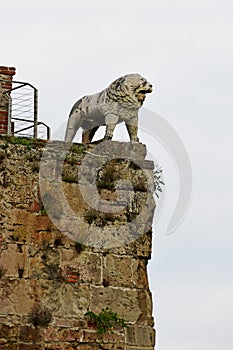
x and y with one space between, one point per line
185 48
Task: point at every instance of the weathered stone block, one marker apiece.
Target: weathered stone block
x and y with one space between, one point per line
139 248
16 296
44 263
64 300
93 337
9 346
88 265
140 336
113 346
123 301
128 347
54 334
68 322
120 271
27 224
66 346
30 334
14 259
8 333
145 304
30 347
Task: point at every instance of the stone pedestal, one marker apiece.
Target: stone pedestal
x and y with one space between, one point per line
43 268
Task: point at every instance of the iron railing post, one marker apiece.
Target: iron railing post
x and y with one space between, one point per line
9 114
35 113
48 132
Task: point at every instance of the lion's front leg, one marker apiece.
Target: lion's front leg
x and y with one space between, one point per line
133 132
111 121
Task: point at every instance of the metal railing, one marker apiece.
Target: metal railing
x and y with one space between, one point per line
23 111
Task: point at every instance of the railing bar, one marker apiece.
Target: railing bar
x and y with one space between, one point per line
29 127
25 120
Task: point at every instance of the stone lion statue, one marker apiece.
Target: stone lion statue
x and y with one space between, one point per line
119 102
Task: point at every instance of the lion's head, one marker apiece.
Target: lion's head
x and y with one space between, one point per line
129 90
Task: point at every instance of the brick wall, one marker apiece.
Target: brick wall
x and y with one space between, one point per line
6 74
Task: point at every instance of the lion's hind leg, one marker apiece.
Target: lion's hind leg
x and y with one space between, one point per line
73 124
88 135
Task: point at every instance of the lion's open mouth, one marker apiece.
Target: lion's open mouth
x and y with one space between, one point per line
143 92
141 95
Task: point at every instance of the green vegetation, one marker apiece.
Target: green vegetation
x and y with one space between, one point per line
43 212
78 149
106 320
24 141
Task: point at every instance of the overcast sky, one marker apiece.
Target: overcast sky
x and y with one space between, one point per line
185 49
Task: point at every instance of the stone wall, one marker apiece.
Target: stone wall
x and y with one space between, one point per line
6 74
48 281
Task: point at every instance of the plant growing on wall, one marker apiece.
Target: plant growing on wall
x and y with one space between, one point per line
158 179
40 315
106 320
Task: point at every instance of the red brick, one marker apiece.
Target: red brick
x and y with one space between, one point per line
72 278
7 70
3 121
35 206
6 85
